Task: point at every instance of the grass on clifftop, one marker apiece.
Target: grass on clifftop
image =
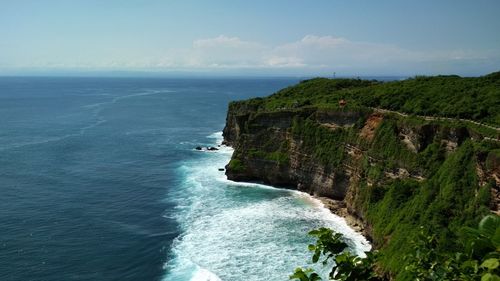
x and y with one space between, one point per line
401 191
474 98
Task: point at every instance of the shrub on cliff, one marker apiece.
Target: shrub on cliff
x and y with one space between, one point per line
478 258
330 247
236 165
474 98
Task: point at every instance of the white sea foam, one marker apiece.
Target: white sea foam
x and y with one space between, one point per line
243 231
91 126
96 112
147 93
119 98
217 136
38 141
202 274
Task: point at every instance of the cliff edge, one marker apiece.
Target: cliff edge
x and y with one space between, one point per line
391 172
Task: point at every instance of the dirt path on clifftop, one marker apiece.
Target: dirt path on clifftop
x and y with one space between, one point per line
436 118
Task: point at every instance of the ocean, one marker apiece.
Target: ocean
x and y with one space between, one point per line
99 180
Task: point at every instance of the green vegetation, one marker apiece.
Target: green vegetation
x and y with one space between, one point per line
346 267
411 179
447 200
326 145
446 96
478 257
280 157
236 165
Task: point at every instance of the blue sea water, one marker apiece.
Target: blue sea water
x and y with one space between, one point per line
99 181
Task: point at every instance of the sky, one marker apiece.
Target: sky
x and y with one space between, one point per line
263 38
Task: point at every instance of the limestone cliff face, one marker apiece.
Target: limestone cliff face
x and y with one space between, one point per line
272 147
394 158
268 133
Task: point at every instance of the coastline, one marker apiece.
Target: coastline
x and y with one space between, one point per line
335 207
230 227
330 206
339 208
387 173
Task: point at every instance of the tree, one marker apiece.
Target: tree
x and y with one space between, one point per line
479 258
330 246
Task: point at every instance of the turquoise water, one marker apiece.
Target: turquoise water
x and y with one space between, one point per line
99 181
242 231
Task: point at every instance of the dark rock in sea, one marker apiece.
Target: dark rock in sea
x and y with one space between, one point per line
221 169
198 148
211 148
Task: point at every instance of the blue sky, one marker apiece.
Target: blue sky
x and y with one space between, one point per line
273 37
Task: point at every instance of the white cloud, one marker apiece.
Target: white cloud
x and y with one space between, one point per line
323 41
277 61
311 51
218 52
311 54
223 41
329 51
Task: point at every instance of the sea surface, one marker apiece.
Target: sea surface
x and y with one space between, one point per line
99 180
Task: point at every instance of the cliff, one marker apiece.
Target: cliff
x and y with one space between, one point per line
391 172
